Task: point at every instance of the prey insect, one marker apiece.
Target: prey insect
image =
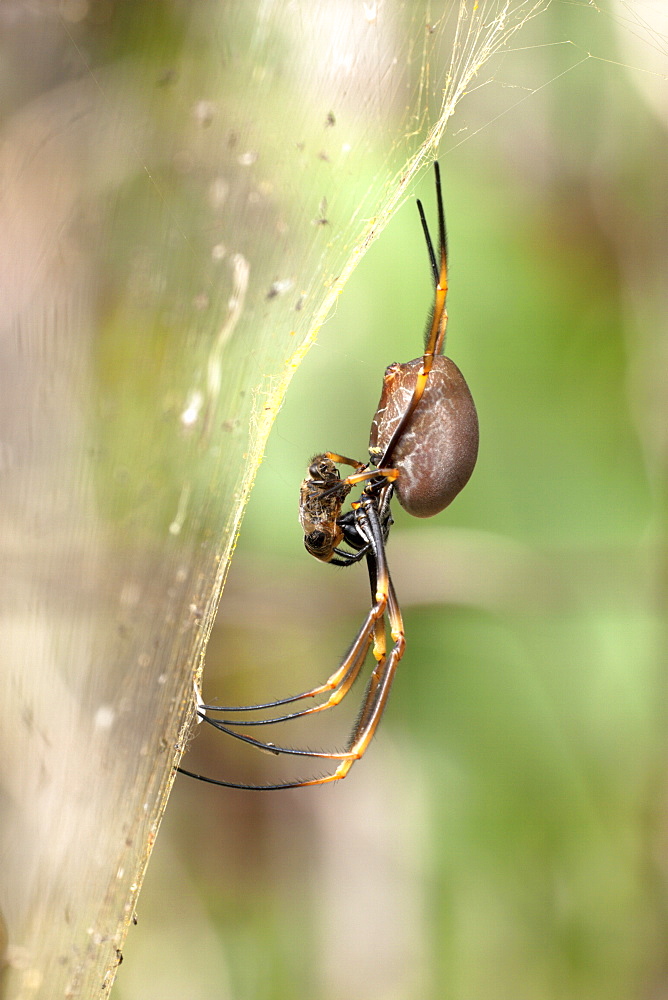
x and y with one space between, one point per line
423 447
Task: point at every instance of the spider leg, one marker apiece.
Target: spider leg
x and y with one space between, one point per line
371 534
344 676
365 473
343 558
335 680
379 685
342 460
349 670
338 684
430 245
271 747
437 327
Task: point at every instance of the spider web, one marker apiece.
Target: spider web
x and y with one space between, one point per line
183 202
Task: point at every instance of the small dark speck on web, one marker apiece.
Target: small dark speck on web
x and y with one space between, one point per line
322 219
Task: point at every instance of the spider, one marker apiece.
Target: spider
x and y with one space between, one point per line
423 447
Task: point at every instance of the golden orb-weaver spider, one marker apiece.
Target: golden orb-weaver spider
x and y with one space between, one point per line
423 447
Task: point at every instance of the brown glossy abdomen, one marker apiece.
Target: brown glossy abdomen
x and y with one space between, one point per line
437 450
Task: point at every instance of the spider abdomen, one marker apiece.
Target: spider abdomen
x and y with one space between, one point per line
437 450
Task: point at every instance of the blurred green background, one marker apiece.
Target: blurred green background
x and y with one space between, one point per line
504 836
